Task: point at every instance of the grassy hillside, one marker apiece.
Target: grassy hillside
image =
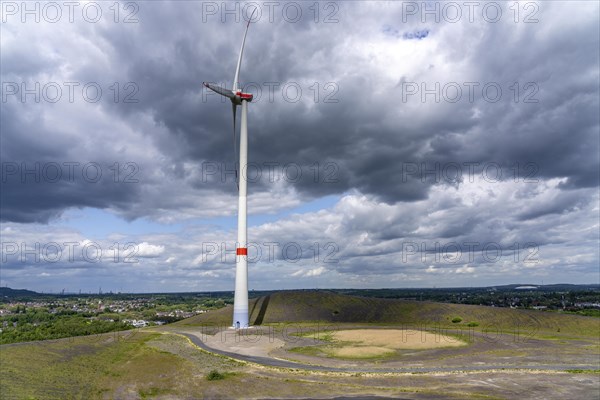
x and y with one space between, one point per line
8 293
131 365
152 363
148 365
325 306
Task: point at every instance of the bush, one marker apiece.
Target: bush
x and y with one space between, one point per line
473 324
214 375
456 320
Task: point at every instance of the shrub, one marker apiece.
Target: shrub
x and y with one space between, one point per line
473 324
456 320
214 375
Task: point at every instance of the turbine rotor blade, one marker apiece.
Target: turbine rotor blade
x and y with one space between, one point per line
220 90
236 82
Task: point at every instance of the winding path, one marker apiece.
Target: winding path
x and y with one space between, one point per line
276 362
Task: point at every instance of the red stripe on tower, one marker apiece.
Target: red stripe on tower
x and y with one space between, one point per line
242 251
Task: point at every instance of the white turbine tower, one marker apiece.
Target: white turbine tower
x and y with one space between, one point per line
240 304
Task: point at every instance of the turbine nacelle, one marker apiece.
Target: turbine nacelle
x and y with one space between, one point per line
244 96
236 97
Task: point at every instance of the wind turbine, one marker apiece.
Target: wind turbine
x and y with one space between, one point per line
237 97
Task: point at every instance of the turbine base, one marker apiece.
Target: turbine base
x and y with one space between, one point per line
240 319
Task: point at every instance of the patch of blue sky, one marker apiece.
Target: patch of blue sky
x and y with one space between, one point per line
417 34
228 223
315 205
98 223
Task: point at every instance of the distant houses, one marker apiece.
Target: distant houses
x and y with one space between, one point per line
137 323
587 305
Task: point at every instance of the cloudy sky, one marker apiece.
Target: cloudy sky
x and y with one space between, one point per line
391 144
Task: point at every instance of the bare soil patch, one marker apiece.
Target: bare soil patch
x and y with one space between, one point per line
370 343
397 339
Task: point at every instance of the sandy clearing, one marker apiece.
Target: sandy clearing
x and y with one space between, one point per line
397 339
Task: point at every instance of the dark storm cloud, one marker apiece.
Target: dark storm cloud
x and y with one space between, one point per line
561 203
41 176
370 134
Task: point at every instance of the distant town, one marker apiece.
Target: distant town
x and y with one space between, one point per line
30 316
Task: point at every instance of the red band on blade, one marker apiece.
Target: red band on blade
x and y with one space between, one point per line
242 251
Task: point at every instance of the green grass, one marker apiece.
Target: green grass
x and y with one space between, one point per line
329 352
589 312
152 392
214 375
308 350
583 371
324 336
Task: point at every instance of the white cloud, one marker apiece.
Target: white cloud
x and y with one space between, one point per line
146 249
308 273
465 269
